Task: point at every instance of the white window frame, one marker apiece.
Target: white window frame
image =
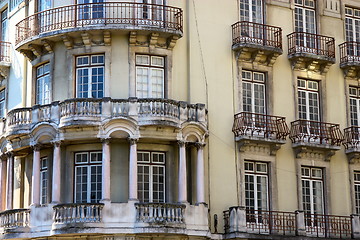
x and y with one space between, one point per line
151 164
307 175
4 26
303 25
44 180
90 66
2 102
43 84
249 6
151 67
91 14
252 82
88 165
308 88
354 103
255 173
357 191
352 31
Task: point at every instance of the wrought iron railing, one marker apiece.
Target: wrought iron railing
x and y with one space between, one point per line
302 42
350 53
78 213
125 14
328 226
5 51
160 212
352 137
306 131
256 33
15 218
254 124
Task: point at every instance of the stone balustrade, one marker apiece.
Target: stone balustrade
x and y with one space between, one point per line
78 213
160 213
90 111
16 218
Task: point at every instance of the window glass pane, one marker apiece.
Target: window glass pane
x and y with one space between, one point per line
157 61
81 157
82 61
261 167
249 166
142 59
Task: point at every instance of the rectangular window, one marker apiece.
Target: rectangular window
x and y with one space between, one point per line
312 181
152 10
43 84
151 176
251 11
89 10
305 22
352 30
44 178
256 186
4 25
90 76
150 76
253 84
2 103
354 97
308 100
15 3
357 192
88 177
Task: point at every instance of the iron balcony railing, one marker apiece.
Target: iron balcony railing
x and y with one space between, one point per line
350 53
306 131
327 226
287 223
351 137
260 125
5 51
256 33
302 42
111 14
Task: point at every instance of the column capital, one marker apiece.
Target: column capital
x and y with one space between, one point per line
36 147
133 141
106 140
181 143
200 145
56 143
9 154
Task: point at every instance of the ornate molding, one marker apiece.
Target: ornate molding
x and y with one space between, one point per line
259 147
311 153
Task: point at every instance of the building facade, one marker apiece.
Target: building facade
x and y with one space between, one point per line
180 119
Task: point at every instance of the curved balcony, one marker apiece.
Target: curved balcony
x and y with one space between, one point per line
257 42
311 51
309 135
95 112
5 60
349 58
352 143
54 24
14 220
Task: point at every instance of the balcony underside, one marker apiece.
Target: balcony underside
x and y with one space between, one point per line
314 150
351 69
257 53
311 62
87 37
258 144
4 69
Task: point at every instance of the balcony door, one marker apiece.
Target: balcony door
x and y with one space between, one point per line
253 92
253 12
4 25
44 19
352 32
151 12
90 10
305 25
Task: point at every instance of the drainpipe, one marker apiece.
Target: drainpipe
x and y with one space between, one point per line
25 65
188 58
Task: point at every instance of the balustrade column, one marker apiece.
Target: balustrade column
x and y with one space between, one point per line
133 170
56 173
35 196
106 170
10 181
182 196
200 174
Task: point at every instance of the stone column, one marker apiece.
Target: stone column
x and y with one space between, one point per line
10 181
56 173
200 174
182 196
2 183
106 170
35 186
133 170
